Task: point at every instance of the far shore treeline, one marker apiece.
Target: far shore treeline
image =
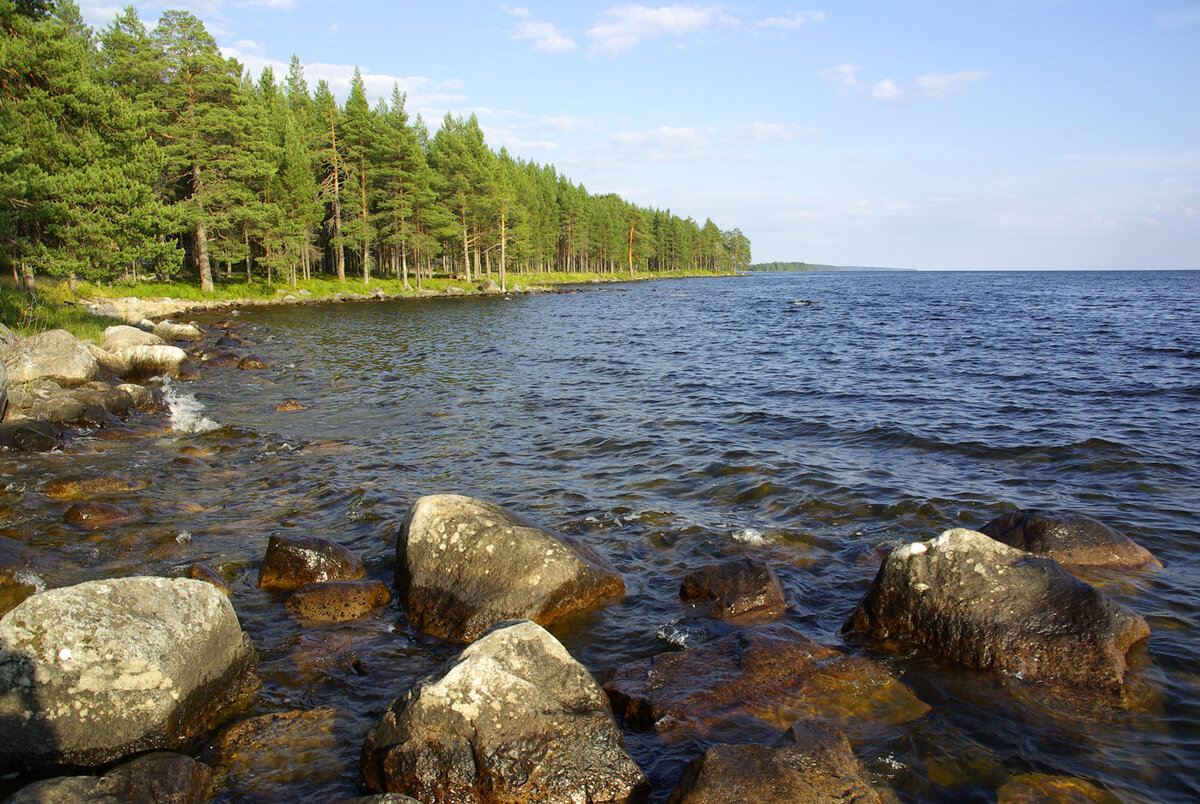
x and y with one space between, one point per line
138 153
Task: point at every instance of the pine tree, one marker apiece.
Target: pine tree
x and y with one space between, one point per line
332 163
359 139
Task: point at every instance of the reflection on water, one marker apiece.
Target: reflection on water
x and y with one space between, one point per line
672 423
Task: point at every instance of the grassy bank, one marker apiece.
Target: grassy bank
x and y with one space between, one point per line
57 307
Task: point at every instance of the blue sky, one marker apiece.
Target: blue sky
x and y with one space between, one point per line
975 134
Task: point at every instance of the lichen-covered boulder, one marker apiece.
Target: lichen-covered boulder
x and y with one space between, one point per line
293 561
761 678
970 599
338 601
55 354
1069 539
105 669
122 336
160 777
813 763
463 565
744 586
513 718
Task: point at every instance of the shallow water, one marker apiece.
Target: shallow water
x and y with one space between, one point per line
672 423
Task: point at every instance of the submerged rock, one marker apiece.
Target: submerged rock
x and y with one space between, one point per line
970 599
55 354
513 718
813 763
252 363
78 488
1041 788
338 601
463 565
98 515
280 756
30 435
289 406
1069 539
760 678
161 777
735 588
95 672
293 561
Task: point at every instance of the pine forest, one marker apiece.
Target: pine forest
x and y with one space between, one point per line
138 152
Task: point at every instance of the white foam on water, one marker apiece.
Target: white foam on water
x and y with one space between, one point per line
184 537
24 578
187 413
678 634
749 536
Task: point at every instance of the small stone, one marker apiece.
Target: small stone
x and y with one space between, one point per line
75 488
253 362
736 588
293 561
98 515
290 406
338 601
203 572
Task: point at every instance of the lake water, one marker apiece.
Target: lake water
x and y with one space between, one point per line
673 423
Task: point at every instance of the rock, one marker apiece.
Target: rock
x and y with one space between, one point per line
55 354
293 561
512 718
177 332
381 798
735 588
122 336
202 572
454 290
149 360
95 672
814 763
114 399
338 601
81 488
1069 539
29 435
1041 788
253 363
3 390
463 565
8 339
764 678
970 599
218 358
160 777
279 756
489 286
110 365
143 396
98 515
290 406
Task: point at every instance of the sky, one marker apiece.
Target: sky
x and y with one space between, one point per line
967 134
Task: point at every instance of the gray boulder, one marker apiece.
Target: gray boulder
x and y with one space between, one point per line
1069 539
8 339
161 777
55 354
122 336
489 286
512 718
105 669
813 763
970 599
151 360
463 565
170 331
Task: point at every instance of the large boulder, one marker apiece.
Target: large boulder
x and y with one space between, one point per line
744 586
169 331
970 599
152 360
160 777
55 354
813 763
512 718
122 336
105 669
760 678
463 565
1069 539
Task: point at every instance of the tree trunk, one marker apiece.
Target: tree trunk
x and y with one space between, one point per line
202 263
27 280
503 250
339 251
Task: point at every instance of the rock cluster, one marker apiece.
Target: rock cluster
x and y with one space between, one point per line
1069 539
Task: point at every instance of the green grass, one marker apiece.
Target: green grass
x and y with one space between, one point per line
57 307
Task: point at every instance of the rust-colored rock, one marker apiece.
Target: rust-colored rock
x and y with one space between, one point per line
761 678
203 572
78 488
98 515
1041 788
813 763
338 601
293 561
1069 539
290 406
161 777
253 362
972 600
282 756
735 588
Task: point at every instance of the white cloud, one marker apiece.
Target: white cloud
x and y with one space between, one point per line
792 21
844 75
887 91
1183 18
666 144
761 133
935 85
545 36
565 123
624 27
928 85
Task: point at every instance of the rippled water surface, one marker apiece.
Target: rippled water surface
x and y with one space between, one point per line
672 423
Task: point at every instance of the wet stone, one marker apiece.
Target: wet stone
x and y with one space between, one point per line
252 363
203 572
759 680
813 762
98 515
293 561
161 777
290 406
282 756
338 601
745 586
78 488
1041 788
30 436
1069 539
